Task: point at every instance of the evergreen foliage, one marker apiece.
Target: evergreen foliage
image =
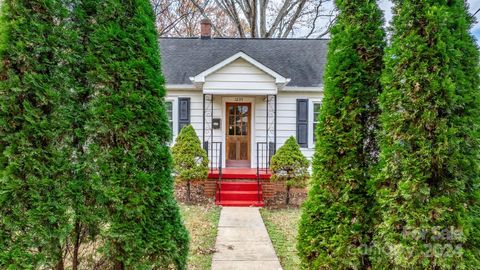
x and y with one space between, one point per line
189 158
129 134
289 165
34 141
84 191
428 185
335 221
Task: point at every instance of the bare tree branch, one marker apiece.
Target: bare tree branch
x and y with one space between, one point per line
204 14
245 18
294 18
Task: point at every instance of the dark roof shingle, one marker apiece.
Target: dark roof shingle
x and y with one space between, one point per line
301 60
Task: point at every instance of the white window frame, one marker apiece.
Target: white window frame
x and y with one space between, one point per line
311 115
174 117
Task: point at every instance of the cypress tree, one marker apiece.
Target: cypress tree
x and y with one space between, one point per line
34 142
335 220
84 190
128 135
428 184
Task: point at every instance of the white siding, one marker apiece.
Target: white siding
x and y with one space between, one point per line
241 81
286 116
240 76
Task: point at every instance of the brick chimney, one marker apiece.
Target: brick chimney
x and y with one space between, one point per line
206 29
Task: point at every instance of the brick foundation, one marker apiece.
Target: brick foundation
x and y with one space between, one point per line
274 194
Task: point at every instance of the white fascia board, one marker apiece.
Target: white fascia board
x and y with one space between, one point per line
181 87
279 79
302 89
243 92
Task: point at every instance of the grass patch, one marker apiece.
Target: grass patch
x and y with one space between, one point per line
282 226
201 222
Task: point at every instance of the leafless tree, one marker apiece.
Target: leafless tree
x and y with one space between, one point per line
246 18
280 19
182 18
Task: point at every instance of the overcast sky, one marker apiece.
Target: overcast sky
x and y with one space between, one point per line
386 5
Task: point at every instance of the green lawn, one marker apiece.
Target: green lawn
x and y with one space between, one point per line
282 226
201 222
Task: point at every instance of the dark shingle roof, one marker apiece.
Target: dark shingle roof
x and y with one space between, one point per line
302 60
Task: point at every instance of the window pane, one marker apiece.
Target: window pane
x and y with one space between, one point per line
316 114
168 105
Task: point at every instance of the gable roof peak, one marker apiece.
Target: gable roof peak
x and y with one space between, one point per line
279 79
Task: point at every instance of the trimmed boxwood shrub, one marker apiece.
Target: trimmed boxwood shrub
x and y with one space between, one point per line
428 185
289 165
336 219
189 158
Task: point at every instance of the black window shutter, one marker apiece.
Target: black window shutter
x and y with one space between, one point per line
183 112
302 122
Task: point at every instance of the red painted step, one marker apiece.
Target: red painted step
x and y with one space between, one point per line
240 173
241 203
239 194
239 186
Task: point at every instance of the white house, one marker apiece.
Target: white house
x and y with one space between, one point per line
244 97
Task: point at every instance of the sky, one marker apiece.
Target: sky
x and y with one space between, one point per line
386 5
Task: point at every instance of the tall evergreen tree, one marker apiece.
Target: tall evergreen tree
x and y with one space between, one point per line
335 220
84 191
34 144
428 185
128 136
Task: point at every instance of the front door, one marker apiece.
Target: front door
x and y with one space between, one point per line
238 135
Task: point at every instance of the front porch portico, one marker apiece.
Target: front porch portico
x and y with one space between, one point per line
239 112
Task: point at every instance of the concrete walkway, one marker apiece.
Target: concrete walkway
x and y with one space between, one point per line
243 241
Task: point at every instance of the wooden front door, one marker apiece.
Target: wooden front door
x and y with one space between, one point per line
238 134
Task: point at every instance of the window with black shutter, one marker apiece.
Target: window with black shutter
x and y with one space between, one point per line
302 122
183 112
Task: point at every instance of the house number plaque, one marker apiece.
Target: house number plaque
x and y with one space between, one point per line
239 99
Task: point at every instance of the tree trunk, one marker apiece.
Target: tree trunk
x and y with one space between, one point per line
76 247
288 195
118 265
60 265
188 191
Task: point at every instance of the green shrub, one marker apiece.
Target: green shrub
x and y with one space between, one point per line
289 165
129 135
35 86
336 219
189 158
427 187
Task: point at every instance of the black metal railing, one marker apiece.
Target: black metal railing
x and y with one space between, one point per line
214 152
265 152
